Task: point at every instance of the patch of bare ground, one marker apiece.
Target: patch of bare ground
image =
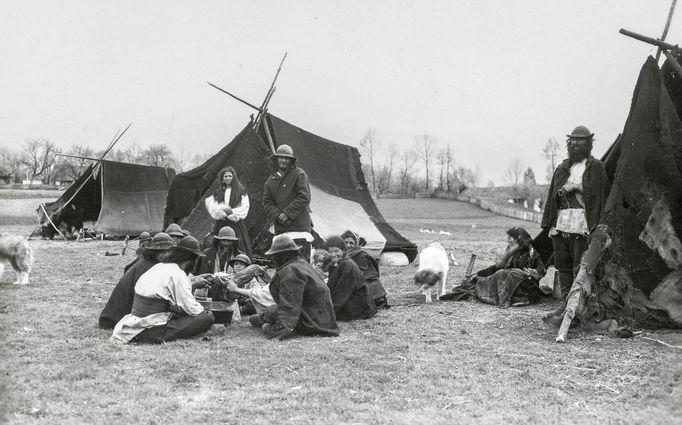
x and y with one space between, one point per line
444 362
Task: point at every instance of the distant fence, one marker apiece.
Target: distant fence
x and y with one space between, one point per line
495 206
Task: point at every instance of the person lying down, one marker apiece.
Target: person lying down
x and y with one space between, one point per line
514 279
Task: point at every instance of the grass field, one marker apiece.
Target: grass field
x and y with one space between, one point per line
443 363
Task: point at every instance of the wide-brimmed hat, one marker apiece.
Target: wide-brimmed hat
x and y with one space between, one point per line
285 151
282 243
241 258
144 236
174 229
160 242
189 244
226 233
580 132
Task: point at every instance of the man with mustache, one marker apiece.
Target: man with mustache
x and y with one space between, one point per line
576 200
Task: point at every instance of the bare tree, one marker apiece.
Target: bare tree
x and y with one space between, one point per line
408 159
11 164
383 180
159 156
369 145
449 163
424 147
74 167
552 153
514 172
442 162
392 156
40 156
466 178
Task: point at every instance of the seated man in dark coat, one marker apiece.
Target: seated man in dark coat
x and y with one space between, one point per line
216 258
347 285
303 303
121 299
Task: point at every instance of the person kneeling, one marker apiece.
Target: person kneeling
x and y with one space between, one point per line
347 285
163 306
303 304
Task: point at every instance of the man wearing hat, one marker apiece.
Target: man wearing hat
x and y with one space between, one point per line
286 199
142 241
575 202
216 258
303 302
120 301
175 232
163 306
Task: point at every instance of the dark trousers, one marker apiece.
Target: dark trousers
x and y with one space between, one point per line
178 327
568 251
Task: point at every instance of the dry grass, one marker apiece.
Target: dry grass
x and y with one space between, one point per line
415 363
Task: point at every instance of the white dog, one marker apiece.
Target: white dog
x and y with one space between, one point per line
433 270
17 252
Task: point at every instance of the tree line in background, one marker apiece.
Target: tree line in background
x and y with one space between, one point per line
428 166
38 160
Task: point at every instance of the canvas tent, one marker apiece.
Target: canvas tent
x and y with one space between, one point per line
340 199
638 279
120 198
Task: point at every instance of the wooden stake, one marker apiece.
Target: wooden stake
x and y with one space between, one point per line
665 30
584 281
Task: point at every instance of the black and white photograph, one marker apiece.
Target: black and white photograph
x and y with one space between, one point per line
341 212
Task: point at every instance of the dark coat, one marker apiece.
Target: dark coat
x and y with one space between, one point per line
206 264
289 194
349 292
370 269
596 189
121 299
304 305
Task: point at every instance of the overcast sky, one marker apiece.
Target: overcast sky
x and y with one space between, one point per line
493 79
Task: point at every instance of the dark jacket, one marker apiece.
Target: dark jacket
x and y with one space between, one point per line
206 264
304 305
349 292
370 269
289 194
121 299
596 189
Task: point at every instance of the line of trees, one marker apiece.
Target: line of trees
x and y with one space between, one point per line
422 167
37 160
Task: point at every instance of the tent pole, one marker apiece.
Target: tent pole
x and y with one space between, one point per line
667 26
233 96
268 95
673 62
47 216
269 136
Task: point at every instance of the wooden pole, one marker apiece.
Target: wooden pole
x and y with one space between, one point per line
649 40
233 96
268 95
667 26
673 62
78 156
267 134
584 281
47 216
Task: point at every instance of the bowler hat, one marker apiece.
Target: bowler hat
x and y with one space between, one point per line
285 151
189 244
174 229
160 242
282 243
241 258
580 132
226 233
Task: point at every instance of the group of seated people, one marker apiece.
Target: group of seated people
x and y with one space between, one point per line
156 299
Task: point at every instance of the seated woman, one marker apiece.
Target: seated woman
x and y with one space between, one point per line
348 288
368 266
303 304
321 262
163 306
229 206
121 299
513 280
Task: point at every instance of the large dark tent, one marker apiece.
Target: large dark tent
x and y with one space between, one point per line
636 276
120 198
340 199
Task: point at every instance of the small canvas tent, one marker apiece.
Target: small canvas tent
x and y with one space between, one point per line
340 199
120 198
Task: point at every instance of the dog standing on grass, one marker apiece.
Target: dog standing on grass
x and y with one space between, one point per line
17 252
433 270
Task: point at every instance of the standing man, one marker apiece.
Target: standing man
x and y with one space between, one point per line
576 200
286 199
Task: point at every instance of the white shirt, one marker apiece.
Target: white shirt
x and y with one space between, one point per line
573 220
